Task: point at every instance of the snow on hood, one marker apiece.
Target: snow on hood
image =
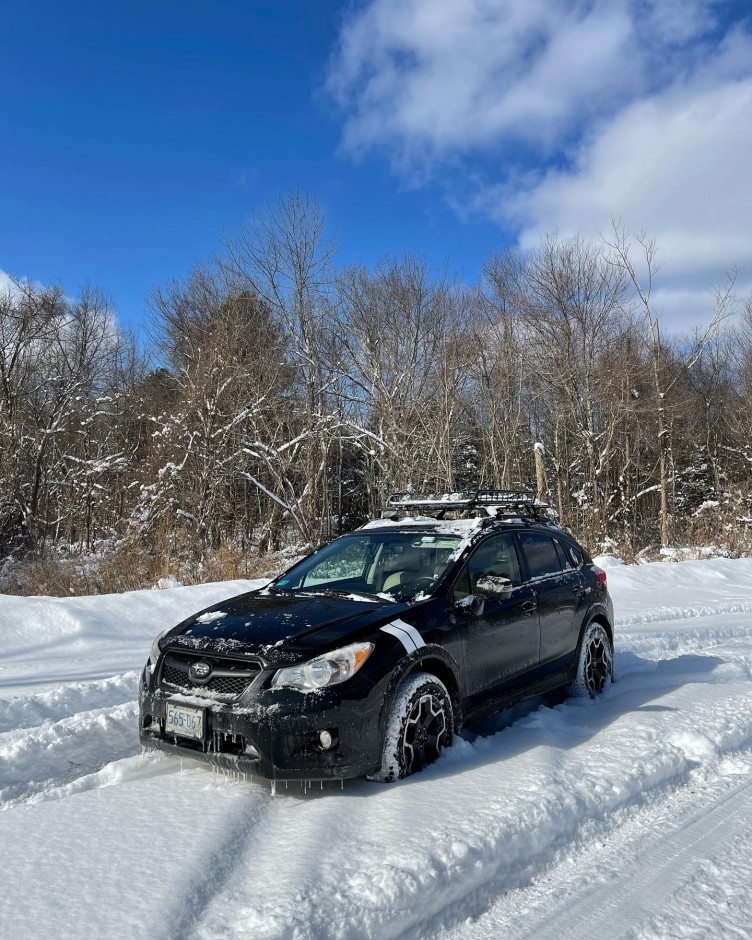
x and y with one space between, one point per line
280 626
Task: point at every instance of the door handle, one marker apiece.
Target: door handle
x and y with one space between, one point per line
578 589
529 606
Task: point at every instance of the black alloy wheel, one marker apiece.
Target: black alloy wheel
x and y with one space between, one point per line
597 663
419 726
425 730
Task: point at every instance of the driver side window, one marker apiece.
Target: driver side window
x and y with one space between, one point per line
497 557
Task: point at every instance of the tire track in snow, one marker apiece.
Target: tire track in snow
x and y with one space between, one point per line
142 766
55 753
676 614
216 870
644 652
393 868
29 711
687 641
616 878
665 862
291 844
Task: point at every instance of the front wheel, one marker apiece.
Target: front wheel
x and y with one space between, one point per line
595 667
420 725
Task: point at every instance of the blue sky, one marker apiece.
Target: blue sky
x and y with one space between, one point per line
135 134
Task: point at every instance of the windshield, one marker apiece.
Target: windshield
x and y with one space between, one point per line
393 565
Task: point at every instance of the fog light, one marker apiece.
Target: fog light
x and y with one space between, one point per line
325 740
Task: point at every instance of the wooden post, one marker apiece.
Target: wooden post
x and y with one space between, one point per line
540 472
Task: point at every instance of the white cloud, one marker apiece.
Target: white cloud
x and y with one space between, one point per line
676 165
7 285
13 285
643 108
429 77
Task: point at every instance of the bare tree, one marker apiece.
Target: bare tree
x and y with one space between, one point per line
621 246
571 308
231 378
57 357
402 367
284 255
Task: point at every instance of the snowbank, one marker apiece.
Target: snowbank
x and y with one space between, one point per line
628 815
45 640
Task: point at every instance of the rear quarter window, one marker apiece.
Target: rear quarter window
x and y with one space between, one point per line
565 560
574 553
541 554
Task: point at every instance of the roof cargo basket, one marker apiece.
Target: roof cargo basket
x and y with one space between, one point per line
490 502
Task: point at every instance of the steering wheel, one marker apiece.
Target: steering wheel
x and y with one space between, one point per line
411 588
422 584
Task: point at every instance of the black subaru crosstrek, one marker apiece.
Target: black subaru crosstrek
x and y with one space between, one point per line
367 656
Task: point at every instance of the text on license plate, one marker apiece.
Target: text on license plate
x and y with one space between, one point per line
187 722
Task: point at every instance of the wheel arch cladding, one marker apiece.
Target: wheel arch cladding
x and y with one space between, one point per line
603 621
598 616
443 671
433 660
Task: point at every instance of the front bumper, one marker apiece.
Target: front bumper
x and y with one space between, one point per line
274 733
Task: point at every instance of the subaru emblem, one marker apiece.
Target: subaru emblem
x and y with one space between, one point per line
200 671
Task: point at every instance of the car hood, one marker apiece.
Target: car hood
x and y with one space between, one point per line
280 628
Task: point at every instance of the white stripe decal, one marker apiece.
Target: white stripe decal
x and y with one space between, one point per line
416 637
407 635
404 638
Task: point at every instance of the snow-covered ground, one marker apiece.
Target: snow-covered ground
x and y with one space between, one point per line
626 817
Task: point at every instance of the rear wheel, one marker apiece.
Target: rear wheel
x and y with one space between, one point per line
419 727
595 667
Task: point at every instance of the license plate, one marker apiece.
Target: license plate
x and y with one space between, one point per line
184 721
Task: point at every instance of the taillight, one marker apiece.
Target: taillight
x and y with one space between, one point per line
601 574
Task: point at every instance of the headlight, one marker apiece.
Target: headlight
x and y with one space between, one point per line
155 650
329 669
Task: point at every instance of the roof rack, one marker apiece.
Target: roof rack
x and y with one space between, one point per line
492 502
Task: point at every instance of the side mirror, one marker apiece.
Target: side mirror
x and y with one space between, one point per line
491 585
473 605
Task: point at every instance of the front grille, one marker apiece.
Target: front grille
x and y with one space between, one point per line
228 677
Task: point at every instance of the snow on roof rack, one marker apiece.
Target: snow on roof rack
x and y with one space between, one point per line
492 501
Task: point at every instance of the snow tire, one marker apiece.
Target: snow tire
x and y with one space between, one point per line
420 725
595 665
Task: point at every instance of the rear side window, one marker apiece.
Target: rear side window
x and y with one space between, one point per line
574 554
540 551
564 560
